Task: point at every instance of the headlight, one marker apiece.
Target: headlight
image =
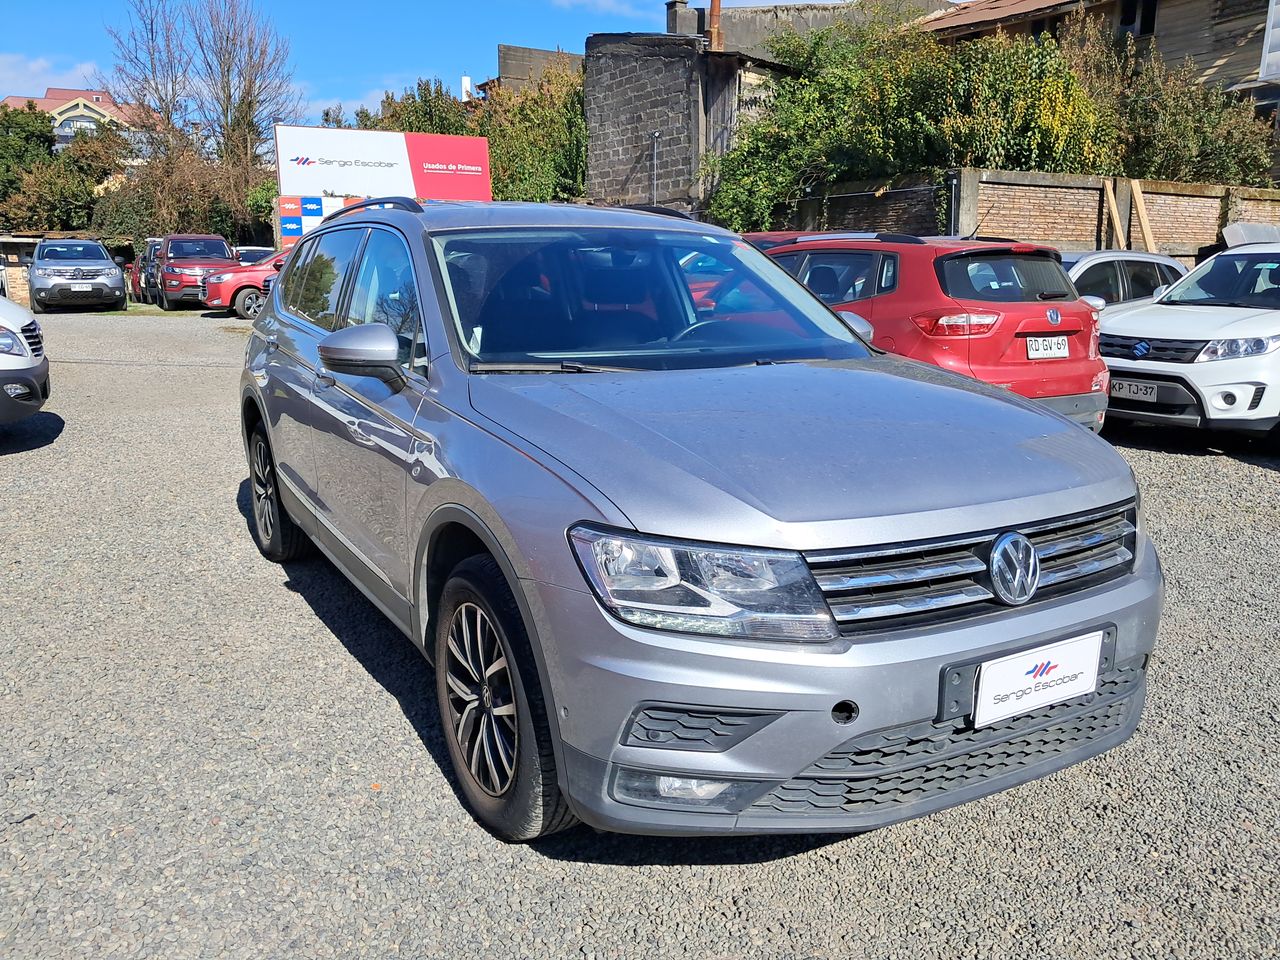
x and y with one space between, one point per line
698 588
12 344
111 272
1234 349
217 278
44 272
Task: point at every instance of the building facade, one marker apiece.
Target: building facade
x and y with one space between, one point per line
74 111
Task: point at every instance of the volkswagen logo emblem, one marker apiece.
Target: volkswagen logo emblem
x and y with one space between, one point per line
1015 569
1141 349
1055 316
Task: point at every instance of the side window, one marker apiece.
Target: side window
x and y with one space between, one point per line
788 262
1169 273
1100 280
841 277
386 291
318 288
888 273
1143 278
291 283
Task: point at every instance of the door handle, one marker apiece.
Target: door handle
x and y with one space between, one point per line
324 379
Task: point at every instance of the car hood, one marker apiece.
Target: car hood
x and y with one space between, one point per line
13 316
1177 322
72 264
208 263
809 455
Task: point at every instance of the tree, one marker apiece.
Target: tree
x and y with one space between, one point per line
26 138
150 76
429 107
60 192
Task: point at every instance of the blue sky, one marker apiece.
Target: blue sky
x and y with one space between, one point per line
338 55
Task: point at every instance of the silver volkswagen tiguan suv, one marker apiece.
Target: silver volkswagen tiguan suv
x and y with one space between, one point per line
688 556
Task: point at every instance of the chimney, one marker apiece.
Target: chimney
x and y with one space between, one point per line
680 19
713 27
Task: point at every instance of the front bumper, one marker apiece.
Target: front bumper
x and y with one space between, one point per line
60 293
1087 409
35 381
1240 395
805 771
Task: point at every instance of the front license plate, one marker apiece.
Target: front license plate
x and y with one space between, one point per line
1046 348
1133 390
81 287
1025 681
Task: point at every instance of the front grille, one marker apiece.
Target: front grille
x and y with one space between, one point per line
1166 351
35 339
75 273
204 289
692 728
879 588
890 770
64 293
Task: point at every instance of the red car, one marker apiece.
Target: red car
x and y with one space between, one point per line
241 289
183 261
1005 313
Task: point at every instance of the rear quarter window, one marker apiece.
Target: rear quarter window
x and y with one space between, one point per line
1005 278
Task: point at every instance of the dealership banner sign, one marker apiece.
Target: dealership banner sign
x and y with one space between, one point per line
326 162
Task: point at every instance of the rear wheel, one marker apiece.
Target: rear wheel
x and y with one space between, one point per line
249 303
279 539
492 708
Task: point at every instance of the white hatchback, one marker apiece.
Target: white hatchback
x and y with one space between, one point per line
1206 351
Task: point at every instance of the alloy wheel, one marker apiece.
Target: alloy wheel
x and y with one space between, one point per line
253 304
264 491
482 703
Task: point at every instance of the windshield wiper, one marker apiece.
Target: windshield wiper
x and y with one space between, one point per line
561 366
1213 303
1052 295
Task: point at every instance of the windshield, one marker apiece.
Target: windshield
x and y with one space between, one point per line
199 249
71 251
644 299
1002 277
1231 280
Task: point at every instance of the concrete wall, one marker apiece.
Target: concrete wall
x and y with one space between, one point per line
903 207
520 66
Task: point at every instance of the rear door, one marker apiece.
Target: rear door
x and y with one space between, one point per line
1102 279
1028 328
842 278
363 430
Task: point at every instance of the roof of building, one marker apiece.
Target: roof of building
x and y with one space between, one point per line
55 98
980 14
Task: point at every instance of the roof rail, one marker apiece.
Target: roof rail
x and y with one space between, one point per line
397 203
956 236
882 237
661 211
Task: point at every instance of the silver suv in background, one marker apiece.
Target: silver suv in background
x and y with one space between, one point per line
685 566
24 369
74 273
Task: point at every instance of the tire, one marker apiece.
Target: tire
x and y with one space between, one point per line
279 539
37 306
517 800
163 302
249 303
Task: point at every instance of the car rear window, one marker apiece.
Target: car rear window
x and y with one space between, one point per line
1005 278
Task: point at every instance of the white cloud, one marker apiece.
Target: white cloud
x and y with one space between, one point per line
25 76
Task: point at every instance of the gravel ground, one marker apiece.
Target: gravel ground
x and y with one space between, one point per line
206 756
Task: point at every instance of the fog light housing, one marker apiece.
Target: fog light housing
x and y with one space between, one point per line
675 791
17 391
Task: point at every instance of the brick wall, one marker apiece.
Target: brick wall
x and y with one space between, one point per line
1260 211
636 85
871 207
1066 217
1179 222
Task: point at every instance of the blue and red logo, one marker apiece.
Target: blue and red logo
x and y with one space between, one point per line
1042 669
302 161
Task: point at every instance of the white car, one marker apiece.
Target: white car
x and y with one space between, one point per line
1121 278
24 369
1206 351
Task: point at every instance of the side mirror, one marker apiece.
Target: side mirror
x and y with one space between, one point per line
860 325
279 264
25 259
369 350
119 261
1097 303
1160 291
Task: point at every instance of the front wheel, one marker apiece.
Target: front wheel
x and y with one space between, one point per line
492 708
249 303
279 539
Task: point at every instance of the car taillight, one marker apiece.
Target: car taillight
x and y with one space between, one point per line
955 324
